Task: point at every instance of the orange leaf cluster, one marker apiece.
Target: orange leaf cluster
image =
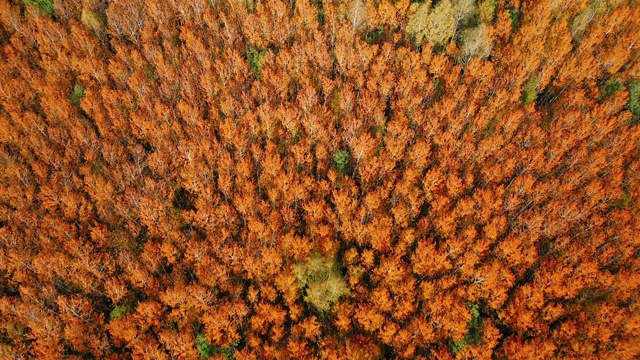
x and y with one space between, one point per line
167 166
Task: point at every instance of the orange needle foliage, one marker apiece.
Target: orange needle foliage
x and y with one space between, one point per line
319 179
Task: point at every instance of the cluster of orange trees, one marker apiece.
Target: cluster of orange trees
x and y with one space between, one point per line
319 179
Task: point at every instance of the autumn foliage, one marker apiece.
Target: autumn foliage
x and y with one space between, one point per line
358 179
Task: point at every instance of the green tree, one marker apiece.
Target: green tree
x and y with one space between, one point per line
119 312
634 100
609 88
46 6
530 92
254 56
341 161
77 94
207 350
474 336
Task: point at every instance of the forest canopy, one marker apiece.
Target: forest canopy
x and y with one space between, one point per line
362 179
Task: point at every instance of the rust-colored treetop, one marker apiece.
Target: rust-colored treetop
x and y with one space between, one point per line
319 179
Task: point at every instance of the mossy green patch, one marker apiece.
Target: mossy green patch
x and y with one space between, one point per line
46 6
515 16
254 56
119 312
530 91
610 88
207 350
341 161
77 94
634 101
474 336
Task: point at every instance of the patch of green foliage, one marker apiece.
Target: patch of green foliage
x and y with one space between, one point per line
176 41
374 37
207 350
320 17
456 346
150 73
119 312
475 325
126 307
438 89
296 136
254 56
634 100
380 130
530 94
474 336
46 6
515 16
622 204
77 94
341 161
609 88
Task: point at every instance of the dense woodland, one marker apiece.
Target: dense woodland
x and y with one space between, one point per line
362 179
